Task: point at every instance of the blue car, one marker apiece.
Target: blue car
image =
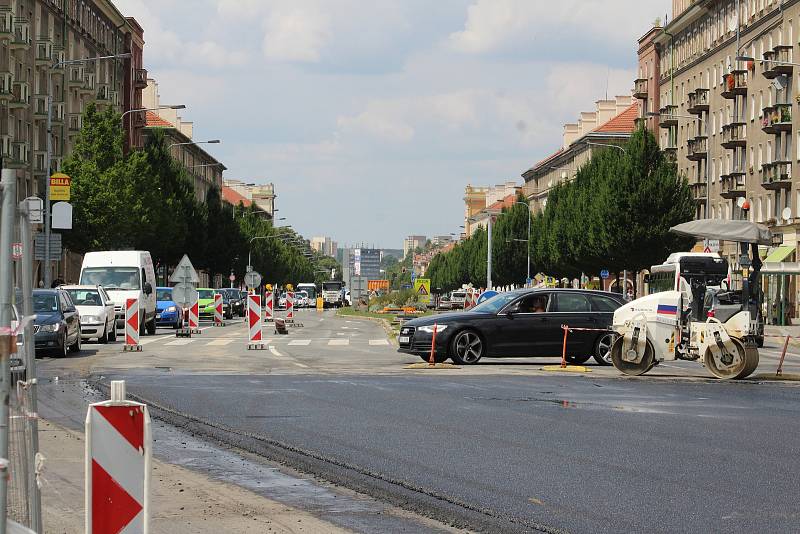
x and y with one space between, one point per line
168 314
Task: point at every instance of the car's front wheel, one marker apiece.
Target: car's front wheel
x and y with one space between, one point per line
602 348
104 337
62 350
75 347
467 348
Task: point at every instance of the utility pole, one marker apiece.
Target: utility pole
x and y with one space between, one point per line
489 254
8 189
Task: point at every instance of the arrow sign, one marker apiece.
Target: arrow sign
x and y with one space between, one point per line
184 272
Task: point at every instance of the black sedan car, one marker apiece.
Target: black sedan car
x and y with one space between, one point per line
57 326
238 304
520 323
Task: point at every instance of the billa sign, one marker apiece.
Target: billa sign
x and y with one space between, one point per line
59 186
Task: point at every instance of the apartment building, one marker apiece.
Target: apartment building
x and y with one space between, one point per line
37 35
205 170
413 242
727 86
479 199
325 245
261 195
611 123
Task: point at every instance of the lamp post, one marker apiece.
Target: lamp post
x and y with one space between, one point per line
250 251
590 143
529 238
209 142
49 130
125 113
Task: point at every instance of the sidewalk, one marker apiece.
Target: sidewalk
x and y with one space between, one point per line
183 501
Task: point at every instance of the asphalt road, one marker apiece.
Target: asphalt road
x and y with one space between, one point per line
502 446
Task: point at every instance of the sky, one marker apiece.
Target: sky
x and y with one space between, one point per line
371 116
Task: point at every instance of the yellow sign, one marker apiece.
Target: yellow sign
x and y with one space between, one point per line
422 287
59 186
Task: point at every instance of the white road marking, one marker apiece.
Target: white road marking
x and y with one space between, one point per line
299 342
280 356
146 340
233 334
220 342
179 342
378 341
275 352
339 342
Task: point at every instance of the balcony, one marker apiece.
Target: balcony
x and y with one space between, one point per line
698 101
6 22
55 164
21 95
777 61
21 35
88 86
103 92
670 153
58 113
140 78
5 146
640 88
732 185
776 175
59 56
39 162
139 119
113 96
640 122
75 75
734 134
39 107
767 65
44 51
777 118
697 148
667 116
75 122
19 155
699 191
735 83
6 82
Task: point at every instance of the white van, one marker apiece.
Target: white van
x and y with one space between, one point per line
124 274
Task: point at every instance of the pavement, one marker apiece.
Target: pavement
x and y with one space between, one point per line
503 446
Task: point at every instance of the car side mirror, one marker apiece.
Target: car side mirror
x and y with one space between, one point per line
147 288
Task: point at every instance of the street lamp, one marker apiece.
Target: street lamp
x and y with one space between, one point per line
205 165
529 238
47 219
209 142
250 251
122 117
590 143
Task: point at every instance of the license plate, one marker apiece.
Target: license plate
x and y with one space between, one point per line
404 339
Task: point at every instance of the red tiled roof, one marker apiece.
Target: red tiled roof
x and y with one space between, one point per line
548 158
625 122
230 196
507 202
153 120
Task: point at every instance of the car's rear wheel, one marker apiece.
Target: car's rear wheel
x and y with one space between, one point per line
104 337
467 348
602 348
61 352
577 360
75 347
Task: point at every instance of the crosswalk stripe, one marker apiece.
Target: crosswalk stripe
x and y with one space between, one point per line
339 342
378 342
146 340
178 342
300 342
220 342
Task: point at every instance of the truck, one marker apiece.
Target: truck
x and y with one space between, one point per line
332 294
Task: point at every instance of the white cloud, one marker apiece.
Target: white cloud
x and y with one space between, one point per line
295 34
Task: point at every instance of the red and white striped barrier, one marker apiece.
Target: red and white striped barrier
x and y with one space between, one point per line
132 325
255 337
269 305
117 464
289 306
469 299
219 319
194 318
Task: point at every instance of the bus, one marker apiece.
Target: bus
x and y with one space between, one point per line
311 291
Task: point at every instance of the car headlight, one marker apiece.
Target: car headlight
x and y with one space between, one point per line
49 327
429 328
171 309
90 319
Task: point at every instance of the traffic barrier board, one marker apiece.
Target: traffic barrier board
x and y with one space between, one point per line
269 306
289 306
194 318
132 325
254 322
219 319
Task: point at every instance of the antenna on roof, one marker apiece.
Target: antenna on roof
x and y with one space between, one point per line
608 74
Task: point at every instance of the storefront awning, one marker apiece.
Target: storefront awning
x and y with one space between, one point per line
780 254
782 267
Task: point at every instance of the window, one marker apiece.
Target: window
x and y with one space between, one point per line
752 107
798 148
603 304
760 104
760 155
571 303
759 214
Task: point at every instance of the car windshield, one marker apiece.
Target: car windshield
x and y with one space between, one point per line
45 302
164 294
85 297
495 304
311 292
459 295
205 294
112 277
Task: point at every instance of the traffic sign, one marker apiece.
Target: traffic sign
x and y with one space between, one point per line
39 243
16 251
35 210
604 274
422 287
184 272
184 294
252 279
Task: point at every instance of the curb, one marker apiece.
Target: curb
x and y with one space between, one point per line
387 326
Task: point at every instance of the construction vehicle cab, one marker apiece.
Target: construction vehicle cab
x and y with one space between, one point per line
700 317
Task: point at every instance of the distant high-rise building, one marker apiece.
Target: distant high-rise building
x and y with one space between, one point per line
413 242
325 245
365 262
441 240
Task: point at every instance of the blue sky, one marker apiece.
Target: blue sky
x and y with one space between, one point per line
370 116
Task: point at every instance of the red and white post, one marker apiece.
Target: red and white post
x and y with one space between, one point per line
194 318
117 465
255 336
132 325
219 319
290 306
269 306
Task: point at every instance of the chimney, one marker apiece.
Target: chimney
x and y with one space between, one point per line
587 122
570 134
606 110
623 103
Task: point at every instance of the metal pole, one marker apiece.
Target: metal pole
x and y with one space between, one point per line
489 254
8 186
529 246
32 419
49 133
